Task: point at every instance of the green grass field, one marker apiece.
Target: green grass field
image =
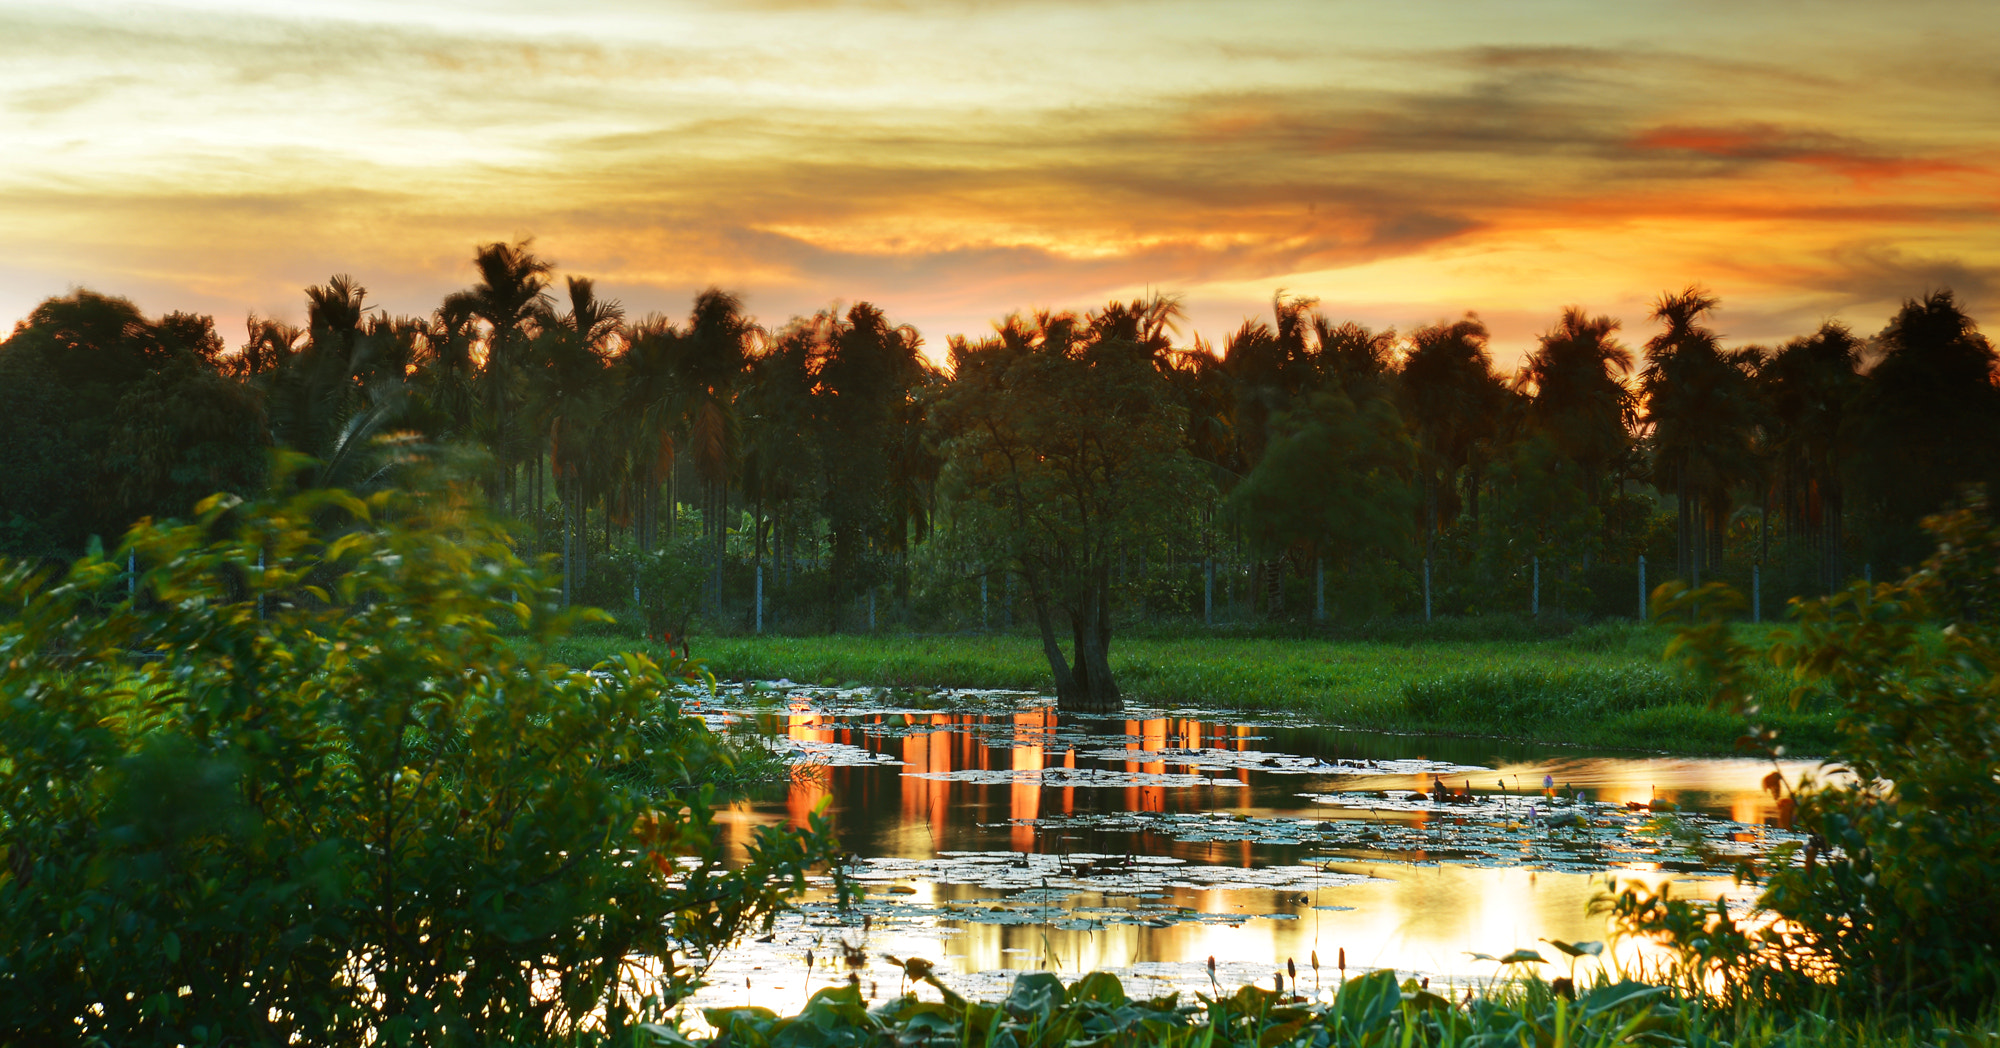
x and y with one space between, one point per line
1602 687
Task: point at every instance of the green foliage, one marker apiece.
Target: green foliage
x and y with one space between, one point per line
1371 1011
108 416
301 790
1888 906
1335 478
670 586
1065 443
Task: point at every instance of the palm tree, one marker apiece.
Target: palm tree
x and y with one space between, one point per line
1452 399
511 297
1929 418
446 373
1701 411
1580 398
1809 387
576 382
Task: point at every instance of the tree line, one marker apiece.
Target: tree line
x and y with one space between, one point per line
1092 467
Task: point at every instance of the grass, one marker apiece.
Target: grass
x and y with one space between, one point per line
1603 686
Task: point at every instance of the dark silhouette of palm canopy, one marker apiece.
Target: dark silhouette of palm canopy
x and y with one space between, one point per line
1700 410
1808 388
1577 374
511 297
1452 400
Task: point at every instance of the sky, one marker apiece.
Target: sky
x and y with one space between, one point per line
954 161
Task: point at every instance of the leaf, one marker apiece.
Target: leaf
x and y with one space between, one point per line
1524 956
1774 782
1577 949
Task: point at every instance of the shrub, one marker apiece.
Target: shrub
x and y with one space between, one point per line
1888 903
300 791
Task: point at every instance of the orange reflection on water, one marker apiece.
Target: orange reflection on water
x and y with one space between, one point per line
808 786
1026 801
926 801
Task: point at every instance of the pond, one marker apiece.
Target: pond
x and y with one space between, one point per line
996 836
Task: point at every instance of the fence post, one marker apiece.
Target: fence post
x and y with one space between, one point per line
1535 595
1427 589
1208 592
871 611
1757 592
1319 589
1642 587
760 596
982 602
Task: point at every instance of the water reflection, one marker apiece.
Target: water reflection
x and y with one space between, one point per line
1148 844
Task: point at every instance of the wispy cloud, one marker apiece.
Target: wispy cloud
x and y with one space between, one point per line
958 162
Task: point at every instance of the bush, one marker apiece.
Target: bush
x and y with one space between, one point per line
300 791
1888 903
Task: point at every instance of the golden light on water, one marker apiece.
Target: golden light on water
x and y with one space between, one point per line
1412 915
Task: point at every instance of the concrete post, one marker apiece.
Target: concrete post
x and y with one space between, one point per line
1208 593
1427 589
760 597
1319 589
1642 587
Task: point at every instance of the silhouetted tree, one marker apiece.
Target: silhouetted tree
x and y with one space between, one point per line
1701 408
512 298
1929 419
1809 388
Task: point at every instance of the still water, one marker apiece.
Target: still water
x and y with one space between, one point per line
996 836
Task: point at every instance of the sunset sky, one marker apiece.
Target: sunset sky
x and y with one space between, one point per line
955 161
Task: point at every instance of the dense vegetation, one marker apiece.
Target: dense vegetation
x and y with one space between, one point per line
292 786
1071 473
1886 905
298 768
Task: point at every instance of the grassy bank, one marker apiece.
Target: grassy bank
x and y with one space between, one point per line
1601 687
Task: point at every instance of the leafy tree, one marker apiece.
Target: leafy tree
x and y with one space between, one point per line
1335 479
337 806
114 417
1067 434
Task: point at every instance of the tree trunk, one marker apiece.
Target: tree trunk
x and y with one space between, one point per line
1096 691
1681 537
1038 598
